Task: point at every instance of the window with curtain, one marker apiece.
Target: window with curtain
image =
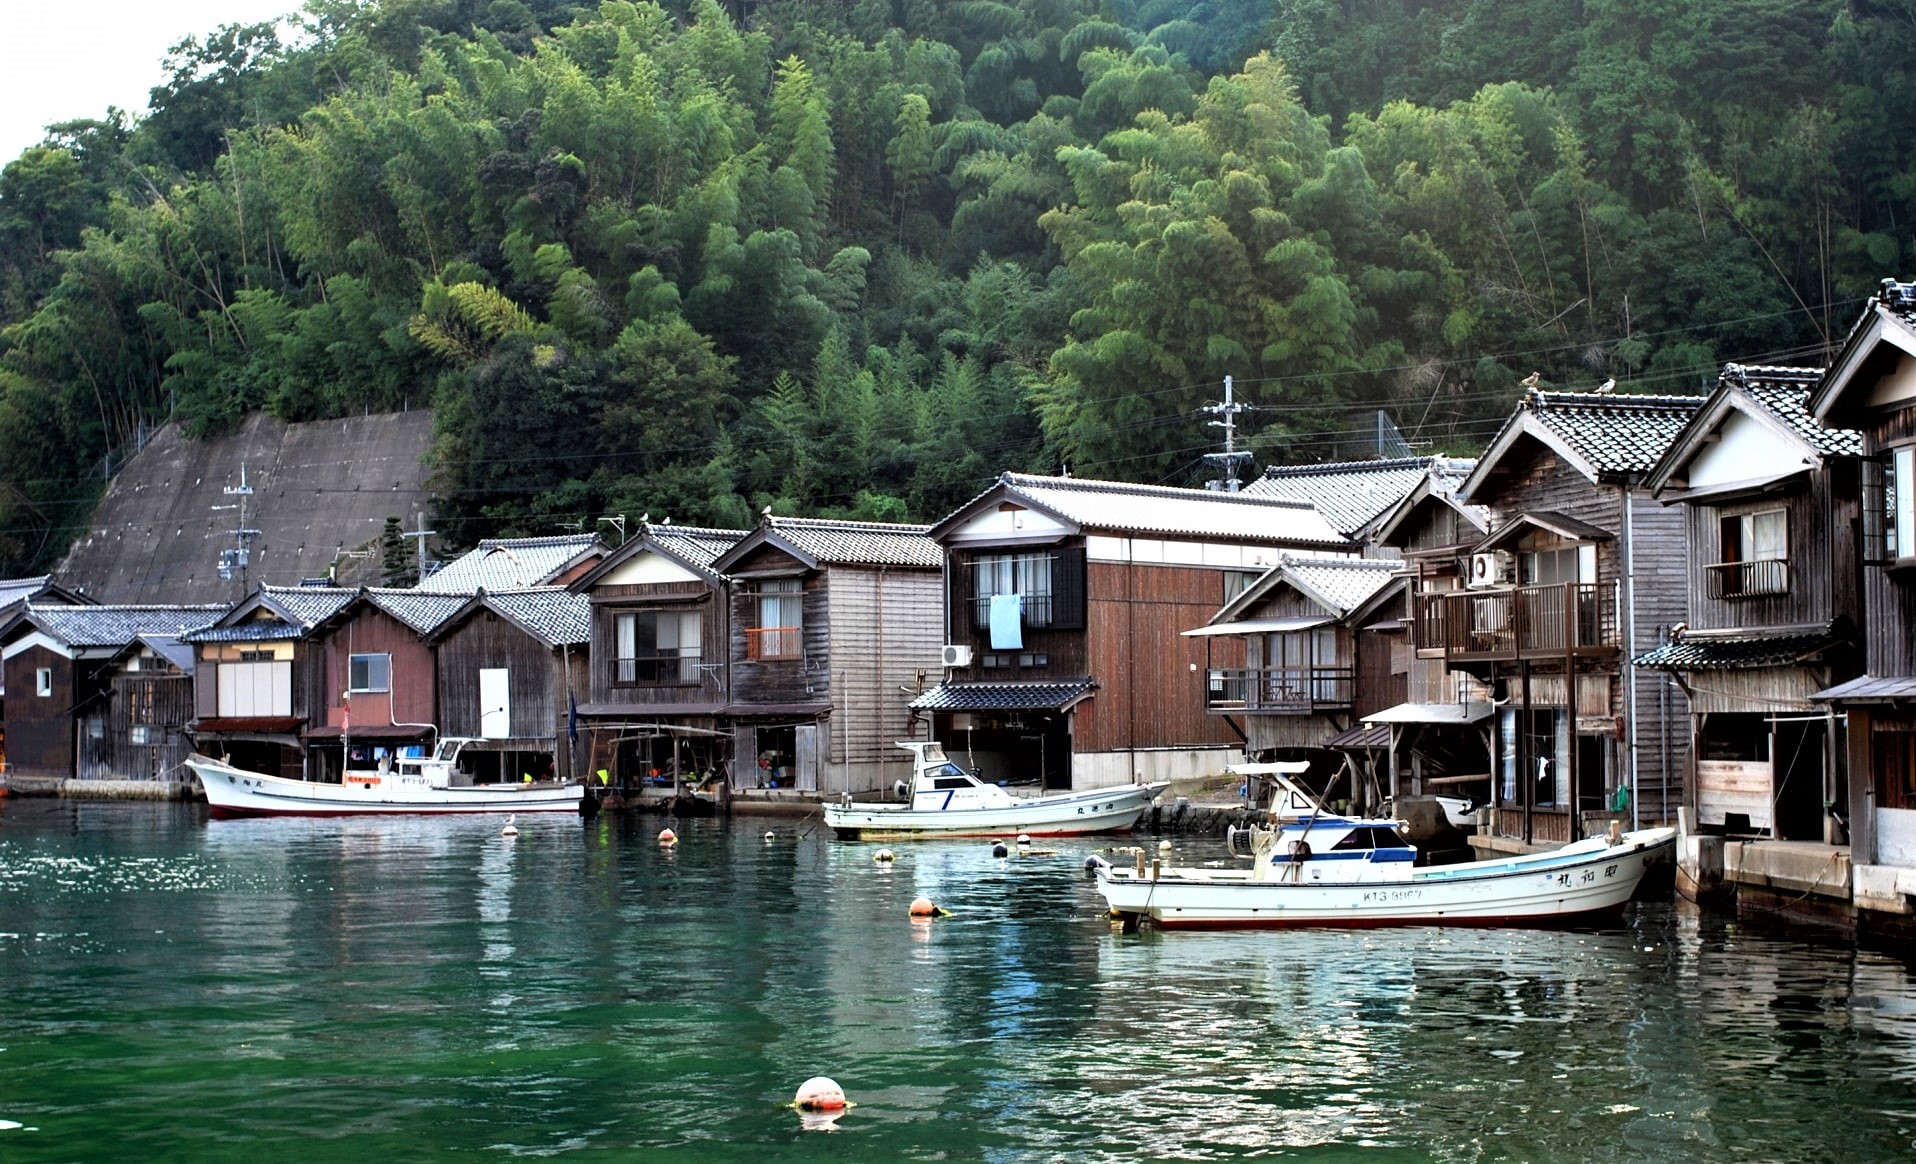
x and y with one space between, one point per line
656 648
781 620
1026 575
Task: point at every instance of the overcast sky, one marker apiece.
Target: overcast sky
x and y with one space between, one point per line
66 59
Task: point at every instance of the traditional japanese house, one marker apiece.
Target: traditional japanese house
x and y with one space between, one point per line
511 666
148 709
1775 603
1871 387
14 593
1321 643
517 564
378 683
1065 601
1582 572
835 626
1440 735
654 707
259 678
59 663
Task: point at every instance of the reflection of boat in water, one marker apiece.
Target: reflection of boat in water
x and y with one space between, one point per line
411 785
947 801
1327 870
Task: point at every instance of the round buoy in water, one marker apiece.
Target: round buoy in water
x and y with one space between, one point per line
820 1094
1024 838
771 836
883 856
999 850
923 907
1164 846
668 837
511 830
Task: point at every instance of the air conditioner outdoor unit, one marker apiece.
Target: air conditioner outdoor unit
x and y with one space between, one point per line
957 655
1493 568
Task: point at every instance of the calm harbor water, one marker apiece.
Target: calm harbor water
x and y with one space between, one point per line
178 989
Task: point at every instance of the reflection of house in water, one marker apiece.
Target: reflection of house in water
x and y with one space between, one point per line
1065 599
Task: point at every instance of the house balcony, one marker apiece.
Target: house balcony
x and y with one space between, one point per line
768 643
1279 690
1756 579
1520 622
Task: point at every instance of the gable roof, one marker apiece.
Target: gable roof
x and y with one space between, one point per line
1563 525
1157 510
96 627
823 542
1350 494
41 586
1339 585
1439 487
292 612
512 563
1887 326
1606 437
421 611
1775 397
554 615
693 547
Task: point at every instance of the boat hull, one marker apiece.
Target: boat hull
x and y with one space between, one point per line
1561 887
234 792
1106 810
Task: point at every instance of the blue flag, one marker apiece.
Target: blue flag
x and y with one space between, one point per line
572 719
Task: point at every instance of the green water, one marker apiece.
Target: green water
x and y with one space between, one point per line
364 990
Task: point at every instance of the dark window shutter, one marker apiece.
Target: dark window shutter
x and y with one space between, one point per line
1878 505
1067 589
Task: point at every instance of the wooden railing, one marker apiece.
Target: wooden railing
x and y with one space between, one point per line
773 642
1747 579
1279 690
1516 622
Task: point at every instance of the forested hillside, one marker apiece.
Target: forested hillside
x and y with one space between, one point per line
856 257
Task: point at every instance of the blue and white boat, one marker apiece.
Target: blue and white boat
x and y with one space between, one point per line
1330 870
947 801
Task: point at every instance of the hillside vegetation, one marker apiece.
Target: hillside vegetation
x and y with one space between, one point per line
856 257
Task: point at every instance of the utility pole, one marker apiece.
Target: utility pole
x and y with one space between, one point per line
1230 457
240 556
422 533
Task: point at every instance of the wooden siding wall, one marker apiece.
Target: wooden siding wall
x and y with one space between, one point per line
1822 554
158 697
413 695
40 729
1889 595
610 601
805 679
886 637
1147 696
488 641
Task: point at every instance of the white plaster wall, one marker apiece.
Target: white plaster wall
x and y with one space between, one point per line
1149 766
1896 837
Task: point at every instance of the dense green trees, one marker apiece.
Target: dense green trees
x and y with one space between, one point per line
857 256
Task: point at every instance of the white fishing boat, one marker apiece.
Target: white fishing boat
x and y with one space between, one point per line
947 801
409 785
1329 870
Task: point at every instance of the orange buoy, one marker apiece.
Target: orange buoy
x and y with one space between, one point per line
668 837
820 1094
923 907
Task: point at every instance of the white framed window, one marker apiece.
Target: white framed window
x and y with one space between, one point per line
43 682
369 673
1902 504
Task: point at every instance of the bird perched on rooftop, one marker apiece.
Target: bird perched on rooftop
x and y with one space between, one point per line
1530 381
1609 385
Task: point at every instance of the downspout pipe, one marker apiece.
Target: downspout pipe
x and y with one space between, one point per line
1627 491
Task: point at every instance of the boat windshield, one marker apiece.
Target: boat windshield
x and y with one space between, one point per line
949 769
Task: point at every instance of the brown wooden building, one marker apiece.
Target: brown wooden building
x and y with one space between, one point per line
1774 605
378 683
59 663
1581 573
259 678
1065 603
511 667
14 594
1871 387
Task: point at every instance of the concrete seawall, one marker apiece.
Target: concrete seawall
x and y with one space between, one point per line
73 789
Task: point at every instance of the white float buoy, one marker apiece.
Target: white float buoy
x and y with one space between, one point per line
883 856
511 830
1164 846
1024 838
820 1093
771 836
668 837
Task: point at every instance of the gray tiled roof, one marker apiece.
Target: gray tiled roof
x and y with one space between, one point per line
14 590
1786 393
859 543
1615 433
1737 652
1161 510
1003 696
115 626
257 630
420 611
555 615
508 563
696 544
1346 582
1350 494
311 605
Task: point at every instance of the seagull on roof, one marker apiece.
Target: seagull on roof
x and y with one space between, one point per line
1530 381
1609 385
